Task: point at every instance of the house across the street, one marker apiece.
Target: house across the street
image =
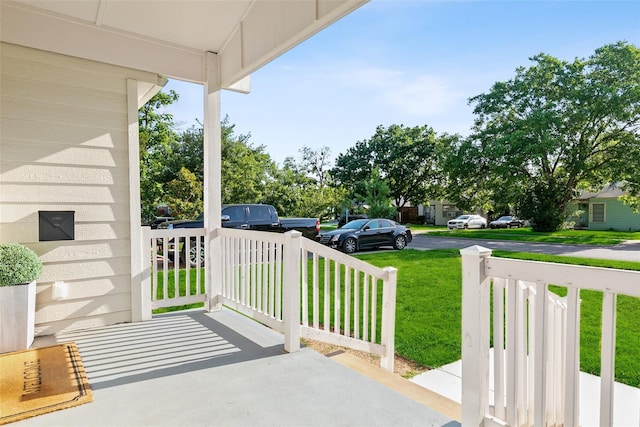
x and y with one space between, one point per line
604 210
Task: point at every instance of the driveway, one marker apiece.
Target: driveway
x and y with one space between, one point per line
628 251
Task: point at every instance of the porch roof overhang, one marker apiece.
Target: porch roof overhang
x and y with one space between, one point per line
171 37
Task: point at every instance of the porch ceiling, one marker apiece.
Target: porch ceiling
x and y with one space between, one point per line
170 37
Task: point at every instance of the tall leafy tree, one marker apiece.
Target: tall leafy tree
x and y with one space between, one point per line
317 195
556 127
407 158
317 163
157 136
184 194
376 196
246 169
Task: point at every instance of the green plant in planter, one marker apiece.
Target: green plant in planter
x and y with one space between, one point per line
18 264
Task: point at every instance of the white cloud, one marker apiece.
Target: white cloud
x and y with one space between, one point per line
410 93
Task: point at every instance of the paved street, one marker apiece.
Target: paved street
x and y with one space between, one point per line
629 251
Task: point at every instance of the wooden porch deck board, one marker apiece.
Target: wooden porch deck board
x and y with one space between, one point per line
196 368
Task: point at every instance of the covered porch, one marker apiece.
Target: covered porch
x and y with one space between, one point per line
198 368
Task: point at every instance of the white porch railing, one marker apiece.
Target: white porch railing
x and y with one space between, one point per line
175 272
330 296
289 283
536 376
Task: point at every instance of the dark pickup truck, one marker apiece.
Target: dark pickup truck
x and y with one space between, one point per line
256 217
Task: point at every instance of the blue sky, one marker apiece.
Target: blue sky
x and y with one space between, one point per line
405 62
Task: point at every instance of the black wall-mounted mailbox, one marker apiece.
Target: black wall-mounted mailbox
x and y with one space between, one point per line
56 225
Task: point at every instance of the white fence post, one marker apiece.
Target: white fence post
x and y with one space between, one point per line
291 290
387 337
475 336
145 280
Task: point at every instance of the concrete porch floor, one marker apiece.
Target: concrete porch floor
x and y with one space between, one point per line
196 368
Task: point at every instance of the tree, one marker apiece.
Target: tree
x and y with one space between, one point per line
377 197
184 195
311 182
408 160
316 163
156 139
246 170
555 128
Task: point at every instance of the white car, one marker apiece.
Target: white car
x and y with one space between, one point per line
467 221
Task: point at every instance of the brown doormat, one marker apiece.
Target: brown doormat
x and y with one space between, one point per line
41 380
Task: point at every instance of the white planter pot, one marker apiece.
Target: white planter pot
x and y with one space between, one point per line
17 316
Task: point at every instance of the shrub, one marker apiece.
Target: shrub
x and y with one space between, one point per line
18 264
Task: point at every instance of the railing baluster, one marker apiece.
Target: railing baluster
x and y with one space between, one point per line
336 298
228 275
253 284
316 290
521 352
365 308
347 300
326 319
278 295
187 266
199 247
356 304
374 309
245 248
165 268
235 291
512 312
607 362
540 356
259 276
498 346
530 333
264 248
572 359
176 268
305 287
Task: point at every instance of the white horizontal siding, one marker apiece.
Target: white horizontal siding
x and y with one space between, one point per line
27 231
50 174
86 289
62 112
20 87
67 70
14 213
40 193
89 250
35 152
58 133
64 146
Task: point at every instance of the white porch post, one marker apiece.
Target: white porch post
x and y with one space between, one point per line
140 297
475 336
212 181
291 298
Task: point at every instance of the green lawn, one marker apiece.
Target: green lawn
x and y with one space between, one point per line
574 237
428 316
